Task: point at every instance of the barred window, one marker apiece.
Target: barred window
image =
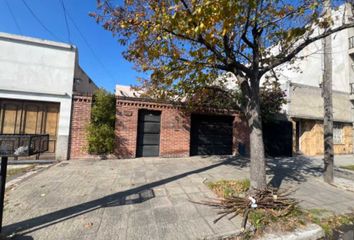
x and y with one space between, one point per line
337 133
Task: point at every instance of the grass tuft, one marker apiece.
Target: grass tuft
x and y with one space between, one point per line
348 167
328 220
18 170
228 188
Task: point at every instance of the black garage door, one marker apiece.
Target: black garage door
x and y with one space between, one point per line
211 135
148 142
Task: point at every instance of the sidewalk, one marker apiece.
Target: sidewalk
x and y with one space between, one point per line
339 160
147 198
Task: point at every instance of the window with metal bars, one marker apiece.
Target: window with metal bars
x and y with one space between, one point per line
337 133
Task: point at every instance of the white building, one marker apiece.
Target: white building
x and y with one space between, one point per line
303 88
37 81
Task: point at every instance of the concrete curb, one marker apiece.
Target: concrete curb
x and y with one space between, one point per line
309 232
19 162
223 236
14 182
344 183
344 173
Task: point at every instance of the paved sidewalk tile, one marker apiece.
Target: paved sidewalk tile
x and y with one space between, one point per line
147 198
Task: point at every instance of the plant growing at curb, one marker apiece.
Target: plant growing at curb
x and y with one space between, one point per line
100 131
349 167
263 219
328 220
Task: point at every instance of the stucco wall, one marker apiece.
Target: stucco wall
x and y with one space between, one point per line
307 102
39 70
33 65
308 68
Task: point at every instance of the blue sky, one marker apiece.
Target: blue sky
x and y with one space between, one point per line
106 66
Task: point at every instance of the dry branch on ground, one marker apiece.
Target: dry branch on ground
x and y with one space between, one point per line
276 202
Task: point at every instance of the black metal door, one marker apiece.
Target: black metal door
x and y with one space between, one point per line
211 135
148 142
278 138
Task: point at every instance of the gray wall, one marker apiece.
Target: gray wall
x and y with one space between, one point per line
83 83
307 102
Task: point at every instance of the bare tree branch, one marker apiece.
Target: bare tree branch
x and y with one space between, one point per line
243 36
281 58
214 66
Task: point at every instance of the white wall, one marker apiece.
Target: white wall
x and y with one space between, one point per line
39 70
35 66
310 68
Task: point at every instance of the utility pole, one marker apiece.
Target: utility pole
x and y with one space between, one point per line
327 103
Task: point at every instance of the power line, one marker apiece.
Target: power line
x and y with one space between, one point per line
13 16
90 48
39 21
66 20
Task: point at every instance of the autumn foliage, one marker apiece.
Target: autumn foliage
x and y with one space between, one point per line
184 46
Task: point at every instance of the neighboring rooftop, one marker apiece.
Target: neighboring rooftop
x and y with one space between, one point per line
37 41
126 91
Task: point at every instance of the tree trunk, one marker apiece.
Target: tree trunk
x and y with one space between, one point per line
258 166
328 107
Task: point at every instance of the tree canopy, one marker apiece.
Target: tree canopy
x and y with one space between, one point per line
185 45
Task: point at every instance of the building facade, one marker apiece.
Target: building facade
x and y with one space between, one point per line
38 79
146 128
302 83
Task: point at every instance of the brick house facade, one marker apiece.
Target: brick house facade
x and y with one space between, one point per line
175 128
175 135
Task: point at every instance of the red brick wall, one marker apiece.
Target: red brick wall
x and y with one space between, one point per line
175 129
80 118
174 136
241 135
126 130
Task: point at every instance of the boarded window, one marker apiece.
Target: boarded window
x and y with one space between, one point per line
337 133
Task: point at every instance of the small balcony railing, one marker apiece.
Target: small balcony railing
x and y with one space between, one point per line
351 88
23 144
351 42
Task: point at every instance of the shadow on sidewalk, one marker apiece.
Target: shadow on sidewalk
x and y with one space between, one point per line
293 169
131 196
